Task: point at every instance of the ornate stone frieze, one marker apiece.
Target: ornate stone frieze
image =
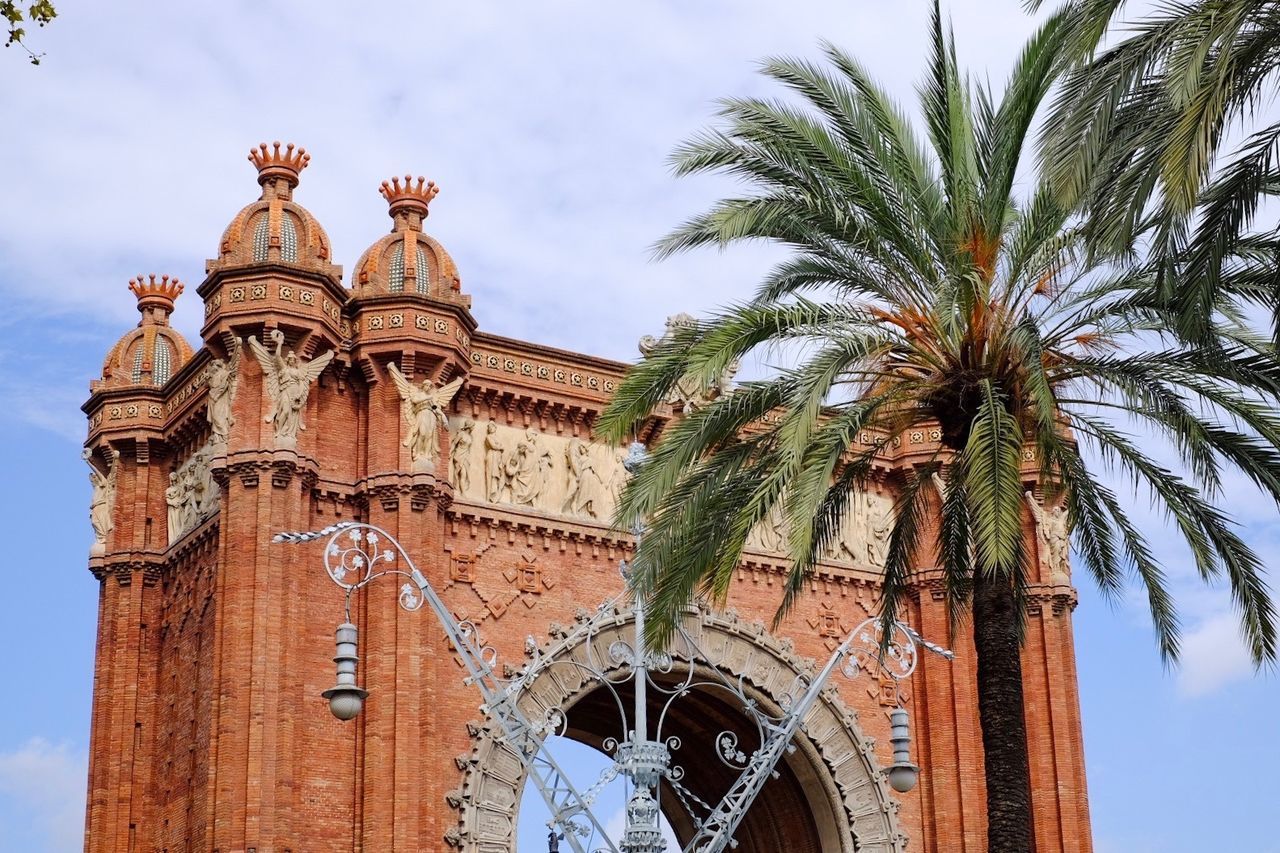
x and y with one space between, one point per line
503 465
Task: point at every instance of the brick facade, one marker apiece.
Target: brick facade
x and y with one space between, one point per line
208 729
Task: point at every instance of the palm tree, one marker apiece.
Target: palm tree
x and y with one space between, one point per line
1142 133
923 291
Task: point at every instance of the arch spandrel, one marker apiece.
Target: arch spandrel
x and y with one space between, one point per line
835 763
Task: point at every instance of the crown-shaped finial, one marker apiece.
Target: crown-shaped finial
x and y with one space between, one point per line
274 163
153 292
409 196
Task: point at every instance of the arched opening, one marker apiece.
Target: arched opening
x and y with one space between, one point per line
587 763
829 794
794 812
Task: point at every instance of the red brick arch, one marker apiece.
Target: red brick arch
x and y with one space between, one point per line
829 795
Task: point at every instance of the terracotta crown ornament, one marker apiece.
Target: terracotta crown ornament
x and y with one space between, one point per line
274 163
409 197
155 294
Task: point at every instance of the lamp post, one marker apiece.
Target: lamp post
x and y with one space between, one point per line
355 556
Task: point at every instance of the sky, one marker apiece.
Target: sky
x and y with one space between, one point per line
547 126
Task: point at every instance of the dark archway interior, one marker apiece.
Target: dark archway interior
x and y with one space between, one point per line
782 817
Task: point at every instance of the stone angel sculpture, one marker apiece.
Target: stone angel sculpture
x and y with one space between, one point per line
222 376
1053 540
287 379
423 407
102 503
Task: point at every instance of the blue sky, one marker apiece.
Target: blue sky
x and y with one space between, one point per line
547 126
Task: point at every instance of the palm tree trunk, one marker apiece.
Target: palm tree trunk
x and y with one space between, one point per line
1000 710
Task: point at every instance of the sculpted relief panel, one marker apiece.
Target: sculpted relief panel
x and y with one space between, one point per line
491 462
192 495
494 463
863 539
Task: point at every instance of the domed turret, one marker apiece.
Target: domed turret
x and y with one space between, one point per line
275 229
407 260
154 351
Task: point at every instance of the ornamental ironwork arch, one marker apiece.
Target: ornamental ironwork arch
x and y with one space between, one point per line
834 761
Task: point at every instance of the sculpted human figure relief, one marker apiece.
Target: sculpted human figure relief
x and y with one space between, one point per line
423 407
879 526
523 467
770 534
103 500
689 393
850 541
460 457
287 380
524 470
192 495
586 487
175 498
1053 540
222 377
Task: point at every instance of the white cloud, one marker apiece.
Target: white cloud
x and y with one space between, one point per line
1213 656
46 784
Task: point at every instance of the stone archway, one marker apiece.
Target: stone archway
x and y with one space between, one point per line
828 797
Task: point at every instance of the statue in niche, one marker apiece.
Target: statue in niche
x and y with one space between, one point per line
102 503
423 408
1053 540
175 498
586 486
287 379
879 527
495 472
222 376
460 456
689 393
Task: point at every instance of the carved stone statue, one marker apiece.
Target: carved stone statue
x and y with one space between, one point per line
287 379
222 376
495 473
460 456
1053 540
423 408
586 487
102 503
689 393
175 498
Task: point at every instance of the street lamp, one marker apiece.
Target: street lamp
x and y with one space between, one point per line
355 555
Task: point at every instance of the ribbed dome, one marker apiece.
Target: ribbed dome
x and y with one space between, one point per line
154 351
275 229
407 260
